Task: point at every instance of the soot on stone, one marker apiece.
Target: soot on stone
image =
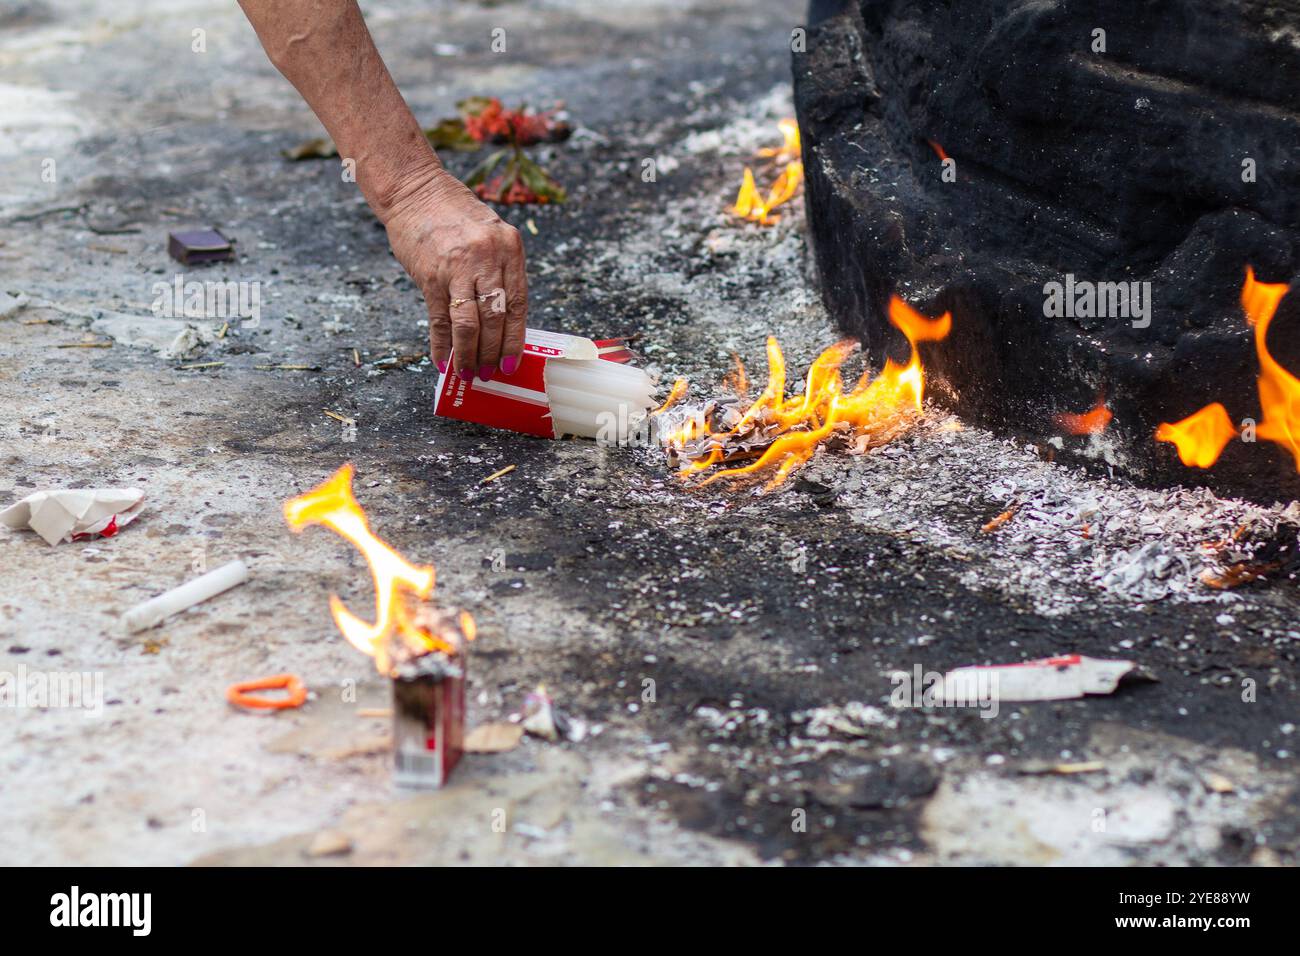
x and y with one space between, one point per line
1112 168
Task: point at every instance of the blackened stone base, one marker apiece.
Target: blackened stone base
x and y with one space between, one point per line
1117 166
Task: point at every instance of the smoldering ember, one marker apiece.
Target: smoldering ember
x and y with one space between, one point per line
806 516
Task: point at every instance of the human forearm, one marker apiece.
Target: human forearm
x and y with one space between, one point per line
468 264
325 50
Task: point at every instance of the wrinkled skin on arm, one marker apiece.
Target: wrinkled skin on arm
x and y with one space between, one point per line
468 262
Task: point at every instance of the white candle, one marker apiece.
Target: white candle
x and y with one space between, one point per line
605 389
194 592
616 376
596 401
575 421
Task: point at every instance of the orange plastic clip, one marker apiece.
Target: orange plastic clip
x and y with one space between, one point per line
241 694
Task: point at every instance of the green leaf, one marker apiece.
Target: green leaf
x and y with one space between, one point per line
319 148
473 105
540 181
450 134
484 169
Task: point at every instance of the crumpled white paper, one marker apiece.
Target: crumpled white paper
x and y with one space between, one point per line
11 304
170 338
68 514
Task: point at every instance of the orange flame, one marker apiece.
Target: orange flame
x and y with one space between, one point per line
1279 390
675 394
332 504
1260 299
737 379
1091 422
790 149
938 150
749 202
877 408
1200 437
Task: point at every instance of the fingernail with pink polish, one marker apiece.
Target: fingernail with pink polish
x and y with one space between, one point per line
509 364
442 367
485 372
466 373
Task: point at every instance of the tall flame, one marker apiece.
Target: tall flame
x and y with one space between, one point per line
878 408
750 203
333 505
1201 437
1279 390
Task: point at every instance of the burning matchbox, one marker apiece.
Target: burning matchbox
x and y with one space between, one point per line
429 700
422 649
428 720
565 385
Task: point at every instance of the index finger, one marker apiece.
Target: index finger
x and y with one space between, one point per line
439 327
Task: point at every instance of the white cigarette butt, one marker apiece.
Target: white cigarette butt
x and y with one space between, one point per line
178 599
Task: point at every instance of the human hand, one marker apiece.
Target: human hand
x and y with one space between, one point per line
470 266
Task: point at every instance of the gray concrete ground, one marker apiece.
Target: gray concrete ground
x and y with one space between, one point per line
768 626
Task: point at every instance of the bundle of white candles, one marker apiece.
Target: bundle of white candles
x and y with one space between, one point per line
597 398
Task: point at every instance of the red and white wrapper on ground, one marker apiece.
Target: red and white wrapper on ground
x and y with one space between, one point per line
1053 678
75 513
564 385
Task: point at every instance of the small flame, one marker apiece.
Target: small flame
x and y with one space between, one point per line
679 389
749 201
1091 422
875 410
333 505
1200 437
938 150
789 150
737 379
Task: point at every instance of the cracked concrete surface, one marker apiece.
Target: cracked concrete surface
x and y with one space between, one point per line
588 568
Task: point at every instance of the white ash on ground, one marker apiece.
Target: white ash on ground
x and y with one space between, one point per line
1071 540
589 568
731 281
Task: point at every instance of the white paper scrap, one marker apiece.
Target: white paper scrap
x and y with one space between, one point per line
1054 678
69 514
